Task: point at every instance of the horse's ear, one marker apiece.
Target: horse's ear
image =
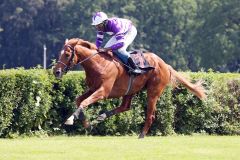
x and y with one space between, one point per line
66 40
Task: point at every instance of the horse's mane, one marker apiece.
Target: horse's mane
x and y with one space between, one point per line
78 41
91 46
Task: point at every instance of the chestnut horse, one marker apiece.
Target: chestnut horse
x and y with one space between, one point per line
106 77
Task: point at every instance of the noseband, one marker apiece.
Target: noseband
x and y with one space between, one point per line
67 67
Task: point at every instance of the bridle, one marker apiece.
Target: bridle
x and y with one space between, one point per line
67 67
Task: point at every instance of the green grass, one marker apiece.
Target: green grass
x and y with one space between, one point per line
112 148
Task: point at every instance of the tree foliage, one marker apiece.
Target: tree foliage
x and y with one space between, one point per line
188 34
218 35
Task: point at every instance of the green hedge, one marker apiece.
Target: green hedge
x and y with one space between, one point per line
33 102
24 100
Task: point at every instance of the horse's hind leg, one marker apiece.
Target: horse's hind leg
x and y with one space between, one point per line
152 96
125 106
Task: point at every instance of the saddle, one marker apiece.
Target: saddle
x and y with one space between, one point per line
140 61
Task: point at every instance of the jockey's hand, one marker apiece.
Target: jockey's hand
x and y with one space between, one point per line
104 50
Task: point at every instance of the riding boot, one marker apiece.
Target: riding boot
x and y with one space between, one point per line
135 68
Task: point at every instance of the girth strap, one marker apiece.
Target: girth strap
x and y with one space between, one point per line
130 83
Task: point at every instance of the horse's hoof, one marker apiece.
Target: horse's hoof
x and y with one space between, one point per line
141 136
69 121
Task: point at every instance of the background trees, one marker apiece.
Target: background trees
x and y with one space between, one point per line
217 37
188 34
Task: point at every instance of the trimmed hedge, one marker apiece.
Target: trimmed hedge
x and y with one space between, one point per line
33 102
24 100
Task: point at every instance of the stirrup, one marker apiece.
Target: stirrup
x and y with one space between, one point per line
137 71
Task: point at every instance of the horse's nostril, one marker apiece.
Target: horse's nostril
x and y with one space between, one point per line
58 73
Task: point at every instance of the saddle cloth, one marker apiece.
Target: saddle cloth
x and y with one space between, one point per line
140 61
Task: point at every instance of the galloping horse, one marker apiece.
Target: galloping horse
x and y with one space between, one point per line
106 77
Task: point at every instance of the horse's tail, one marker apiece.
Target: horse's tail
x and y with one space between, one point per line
196 88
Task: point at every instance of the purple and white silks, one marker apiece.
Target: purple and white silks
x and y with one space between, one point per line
123 33
116 27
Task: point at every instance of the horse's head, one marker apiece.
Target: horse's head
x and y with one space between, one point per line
67 59
71 54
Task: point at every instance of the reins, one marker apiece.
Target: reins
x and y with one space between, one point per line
87 58
67 67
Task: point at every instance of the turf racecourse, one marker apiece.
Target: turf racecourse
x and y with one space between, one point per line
114 148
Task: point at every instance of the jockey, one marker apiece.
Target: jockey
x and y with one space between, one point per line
123 33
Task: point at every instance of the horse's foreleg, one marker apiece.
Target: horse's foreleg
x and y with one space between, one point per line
94 97
82 97
125 106
78 114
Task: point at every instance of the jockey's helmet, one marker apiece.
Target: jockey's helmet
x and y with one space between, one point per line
99 18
